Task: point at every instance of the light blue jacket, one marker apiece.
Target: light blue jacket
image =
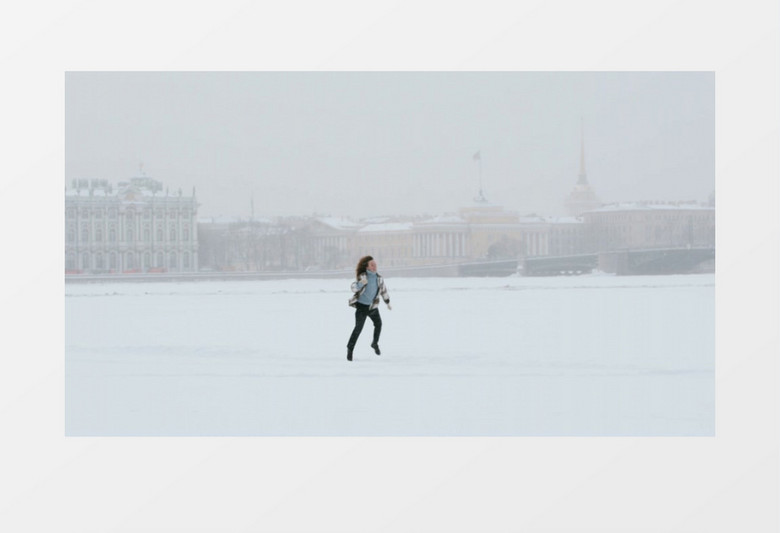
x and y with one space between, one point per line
359 287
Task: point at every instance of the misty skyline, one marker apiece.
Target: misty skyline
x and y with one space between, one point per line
361 144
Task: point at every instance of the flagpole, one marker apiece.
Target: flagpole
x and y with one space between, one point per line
481 194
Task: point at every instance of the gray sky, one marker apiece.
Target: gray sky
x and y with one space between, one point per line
377 143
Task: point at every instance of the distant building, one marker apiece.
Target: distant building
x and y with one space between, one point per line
332 242
392 241
221 243
646 225
478 232
566 236
136 227
255 244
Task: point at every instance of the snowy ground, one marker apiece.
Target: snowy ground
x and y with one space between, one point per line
591 355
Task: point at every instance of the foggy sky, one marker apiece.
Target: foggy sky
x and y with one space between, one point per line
375 143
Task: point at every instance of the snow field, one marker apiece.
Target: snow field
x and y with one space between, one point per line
592 355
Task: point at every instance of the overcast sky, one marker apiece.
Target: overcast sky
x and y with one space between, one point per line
377 143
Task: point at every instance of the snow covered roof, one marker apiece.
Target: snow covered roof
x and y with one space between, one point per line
445 219
339 223
100 191
652 206
563 220
530 219
389 226
375 220
222 219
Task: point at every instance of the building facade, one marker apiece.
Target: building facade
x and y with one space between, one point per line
483 232
135 227
650 225
478 232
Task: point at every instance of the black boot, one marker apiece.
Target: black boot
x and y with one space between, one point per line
349 353
375 346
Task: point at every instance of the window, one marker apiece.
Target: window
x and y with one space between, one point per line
186 234
159 235
112 261
85 260
129 235
99 235
84 234
173 234
159 262
99 263
172 262
112 234
186 260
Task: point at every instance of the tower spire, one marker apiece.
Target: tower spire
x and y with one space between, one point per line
582 198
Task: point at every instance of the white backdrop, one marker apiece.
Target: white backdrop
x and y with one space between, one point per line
724 483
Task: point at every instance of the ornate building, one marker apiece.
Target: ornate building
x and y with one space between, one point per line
136 227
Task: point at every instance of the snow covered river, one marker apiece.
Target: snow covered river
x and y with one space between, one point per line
575 356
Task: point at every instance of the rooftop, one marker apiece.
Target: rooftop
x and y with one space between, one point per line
653 206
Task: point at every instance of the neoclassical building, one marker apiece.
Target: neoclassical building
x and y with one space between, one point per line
135 227
650 225
477 232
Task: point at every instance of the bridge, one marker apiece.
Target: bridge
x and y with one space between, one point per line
625 262
563 265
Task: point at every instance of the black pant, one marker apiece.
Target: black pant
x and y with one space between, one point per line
361 312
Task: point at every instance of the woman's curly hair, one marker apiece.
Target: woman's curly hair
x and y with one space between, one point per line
362 265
